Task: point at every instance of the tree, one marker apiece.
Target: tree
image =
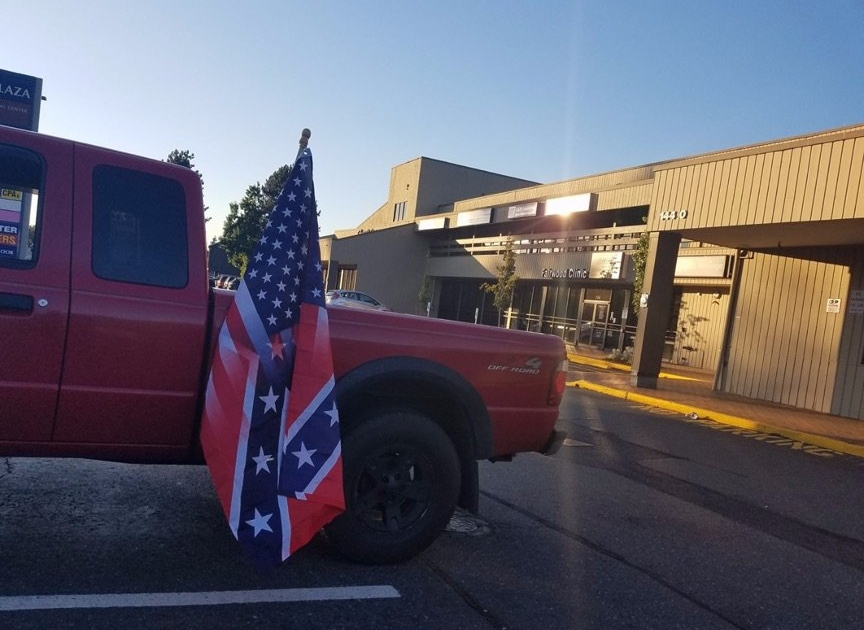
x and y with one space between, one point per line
640 259
245 221
424 297
503 288
184 157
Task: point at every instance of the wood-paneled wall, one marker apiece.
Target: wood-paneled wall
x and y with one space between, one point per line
700 325
849 386
785 344
809 179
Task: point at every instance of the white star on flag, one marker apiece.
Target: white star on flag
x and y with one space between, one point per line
262 460
269 401
259 523
334 415
304 456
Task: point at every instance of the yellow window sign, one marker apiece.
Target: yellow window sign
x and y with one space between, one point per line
8 193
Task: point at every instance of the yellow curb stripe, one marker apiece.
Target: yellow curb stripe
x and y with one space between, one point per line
598 363
609 365
723 418
678 377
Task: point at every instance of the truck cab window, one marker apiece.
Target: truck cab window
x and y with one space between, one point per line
20 182
139 228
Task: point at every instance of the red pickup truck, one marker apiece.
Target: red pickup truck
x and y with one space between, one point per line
108 322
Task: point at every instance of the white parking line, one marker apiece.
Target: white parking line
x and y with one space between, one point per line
207 598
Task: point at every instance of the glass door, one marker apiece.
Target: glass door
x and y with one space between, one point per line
593 323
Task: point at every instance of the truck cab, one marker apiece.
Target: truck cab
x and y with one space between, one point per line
103 301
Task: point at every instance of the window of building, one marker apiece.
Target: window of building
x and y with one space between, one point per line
399 211
139 228
20 181
348 278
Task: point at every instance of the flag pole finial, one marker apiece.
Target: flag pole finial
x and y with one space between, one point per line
304 141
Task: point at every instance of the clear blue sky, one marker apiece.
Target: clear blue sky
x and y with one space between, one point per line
546 90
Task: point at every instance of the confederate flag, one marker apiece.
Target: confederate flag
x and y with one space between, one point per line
270 430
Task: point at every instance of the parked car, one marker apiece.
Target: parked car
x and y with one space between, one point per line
225 281
354 299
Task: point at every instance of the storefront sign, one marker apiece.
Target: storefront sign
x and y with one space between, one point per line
435 223
20 97
10 221
833 305
570 272
8 240
474 217
522 210
606 265
568 205
10 205
703 267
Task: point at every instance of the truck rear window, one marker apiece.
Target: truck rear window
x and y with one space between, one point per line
139 228
20 181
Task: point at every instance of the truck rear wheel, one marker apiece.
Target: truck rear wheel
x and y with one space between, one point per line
402 481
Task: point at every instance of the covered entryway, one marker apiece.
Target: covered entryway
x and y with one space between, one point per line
794 211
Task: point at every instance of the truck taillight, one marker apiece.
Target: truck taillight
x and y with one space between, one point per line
559 382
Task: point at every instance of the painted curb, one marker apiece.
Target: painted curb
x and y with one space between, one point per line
598 363
742 423
621 367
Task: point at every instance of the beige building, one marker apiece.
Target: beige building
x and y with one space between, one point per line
755 267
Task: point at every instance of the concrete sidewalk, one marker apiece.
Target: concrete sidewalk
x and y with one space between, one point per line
689 391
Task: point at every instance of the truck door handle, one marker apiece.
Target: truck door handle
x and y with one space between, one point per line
16 302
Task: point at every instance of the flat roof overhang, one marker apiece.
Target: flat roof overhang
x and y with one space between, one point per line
840 232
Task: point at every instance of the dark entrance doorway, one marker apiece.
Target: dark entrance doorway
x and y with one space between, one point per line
593 323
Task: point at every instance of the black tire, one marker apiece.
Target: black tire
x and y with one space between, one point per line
402 482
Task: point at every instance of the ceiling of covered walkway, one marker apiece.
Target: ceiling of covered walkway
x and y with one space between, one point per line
841 232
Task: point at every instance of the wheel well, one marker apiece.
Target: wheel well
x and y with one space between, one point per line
430 389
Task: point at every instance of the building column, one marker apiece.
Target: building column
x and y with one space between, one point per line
331 281
655 306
